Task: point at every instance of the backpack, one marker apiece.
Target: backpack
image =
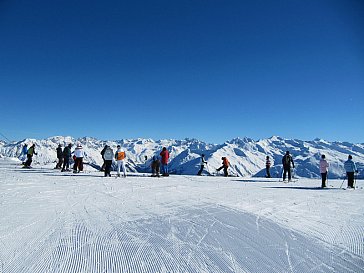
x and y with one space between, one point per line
287 160
120 155
108 155
226 162
66 152
30 151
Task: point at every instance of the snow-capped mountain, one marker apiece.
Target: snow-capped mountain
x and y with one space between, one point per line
247 156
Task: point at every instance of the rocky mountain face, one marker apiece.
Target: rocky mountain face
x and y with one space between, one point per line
247 156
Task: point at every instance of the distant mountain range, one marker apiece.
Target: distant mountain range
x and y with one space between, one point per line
247 156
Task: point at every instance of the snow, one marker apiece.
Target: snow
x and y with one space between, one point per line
61 222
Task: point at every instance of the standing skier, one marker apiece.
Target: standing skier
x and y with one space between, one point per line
350 168
203 162
225 166
267 167
102 154
165 156
66 158
323 170
30 153
23 155
120 156
78 154
286 161
59 157
108 156
156 164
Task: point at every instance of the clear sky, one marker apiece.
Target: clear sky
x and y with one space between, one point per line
205 69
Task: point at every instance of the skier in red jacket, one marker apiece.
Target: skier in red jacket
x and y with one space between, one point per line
165 156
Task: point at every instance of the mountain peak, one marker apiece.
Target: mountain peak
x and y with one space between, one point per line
239 140
275 138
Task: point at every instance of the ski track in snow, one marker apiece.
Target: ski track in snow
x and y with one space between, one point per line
64 223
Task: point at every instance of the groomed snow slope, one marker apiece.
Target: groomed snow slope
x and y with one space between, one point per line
60 222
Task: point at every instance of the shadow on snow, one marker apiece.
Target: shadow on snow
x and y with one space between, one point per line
303 188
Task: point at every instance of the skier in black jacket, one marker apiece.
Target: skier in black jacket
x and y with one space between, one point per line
102 154
59 157
267 167
286 161
66 158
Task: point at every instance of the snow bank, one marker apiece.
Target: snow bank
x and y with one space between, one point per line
60 222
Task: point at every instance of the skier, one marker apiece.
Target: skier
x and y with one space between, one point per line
30 153
350 168
120 156
286 161
59 157
203 162
156 163
165 156
323 170
225 166
108 156
78 154
66 158
267 167
23 154
102 154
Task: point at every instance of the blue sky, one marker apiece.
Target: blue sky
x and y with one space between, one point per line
211 70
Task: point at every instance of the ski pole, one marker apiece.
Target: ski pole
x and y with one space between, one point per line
343 182
281 177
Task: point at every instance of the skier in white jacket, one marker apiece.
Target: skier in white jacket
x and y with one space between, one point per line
78 157
323 170
120 158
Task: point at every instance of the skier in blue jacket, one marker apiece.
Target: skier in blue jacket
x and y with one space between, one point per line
23 155
350 168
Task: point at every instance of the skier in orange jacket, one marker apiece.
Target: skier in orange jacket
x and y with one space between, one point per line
225 166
